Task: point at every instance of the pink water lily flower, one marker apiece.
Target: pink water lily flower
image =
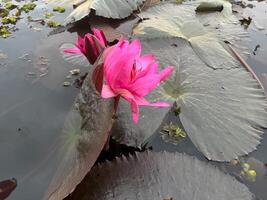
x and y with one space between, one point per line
132 76
91 45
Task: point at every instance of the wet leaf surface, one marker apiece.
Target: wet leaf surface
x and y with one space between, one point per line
85 140
170 20
116 9
213 107
170 175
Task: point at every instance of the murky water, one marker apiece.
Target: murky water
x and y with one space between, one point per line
34 104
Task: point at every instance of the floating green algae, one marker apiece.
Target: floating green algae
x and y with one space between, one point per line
27 7
9 20
172 133
59 9
10 6
53 24
3 12
4 32
48 15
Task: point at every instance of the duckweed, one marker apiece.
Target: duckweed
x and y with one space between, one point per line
48 15
59 9
4 32
10 6
27 7
173 131
53 24
9 20
3 12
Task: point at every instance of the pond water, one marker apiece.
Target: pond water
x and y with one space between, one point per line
34 104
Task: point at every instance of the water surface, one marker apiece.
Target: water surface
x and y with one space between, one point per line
34 105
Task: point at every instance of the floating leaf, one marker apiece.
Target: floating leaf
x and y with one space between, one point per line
222 110
163 175
127 132
67 3
38 145
222 106
116 9
225 26
84 142
214 5
205 36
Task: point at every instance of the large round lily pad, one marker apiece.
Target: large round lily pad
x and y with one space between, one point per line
160 176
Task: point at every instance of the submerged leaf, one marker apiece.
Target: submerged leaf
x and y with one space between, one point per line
160 176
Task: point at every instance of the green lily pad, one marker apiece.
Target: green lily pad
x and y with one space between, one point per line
86 132
116 9
214 109
222 110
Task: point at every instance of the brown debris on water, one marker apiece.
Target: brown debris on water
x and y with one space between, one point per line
6 187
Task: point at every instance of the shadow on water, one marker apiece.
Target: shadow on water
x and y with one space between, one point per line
33 109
